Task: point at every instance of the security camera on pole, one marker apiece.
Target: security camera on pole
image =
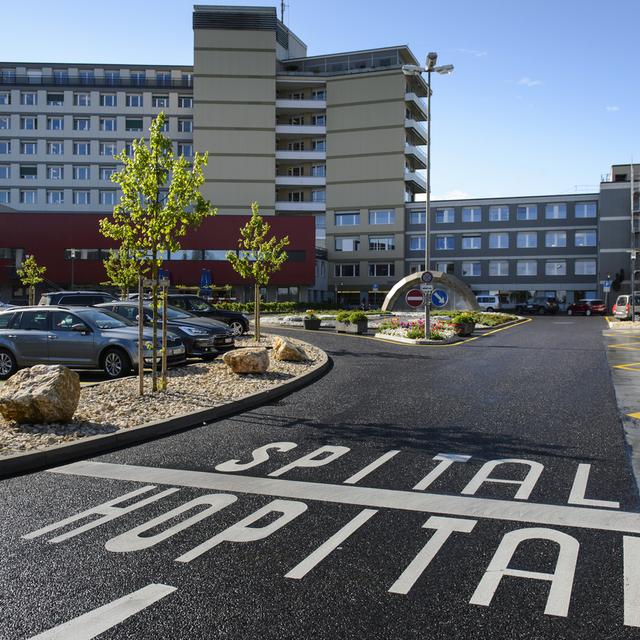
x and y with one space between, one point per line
414 70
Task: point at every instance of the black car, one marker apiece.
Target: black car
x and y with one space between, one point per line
238 322
202 337
539 306
75 298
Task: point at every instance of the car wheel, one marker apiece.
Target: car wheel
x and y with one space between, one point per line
8 364
569 312
489 309
115 363
237 327
587 312
541 311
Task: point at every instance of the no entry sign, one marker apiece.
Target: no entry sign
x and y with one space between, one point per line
414 298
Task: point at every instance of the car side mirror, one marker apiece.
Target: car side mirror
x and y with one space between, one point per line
80 328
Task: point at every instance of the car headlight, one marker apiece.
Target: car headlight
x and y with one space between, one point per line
193 331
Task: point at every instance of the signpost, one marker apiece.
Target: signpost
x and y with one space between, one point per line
414 298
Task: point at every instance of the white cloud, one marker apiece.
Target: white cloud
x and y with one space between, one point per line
612 108
525 81
472 52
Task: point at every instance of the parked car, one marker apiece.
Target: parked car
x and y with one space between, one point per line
202 337
539 305
77 337
238 322
622 307
492 302
75 298
587 307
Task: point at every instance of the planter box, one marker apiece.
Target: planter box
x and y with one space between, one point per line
358 327
465 328
312 323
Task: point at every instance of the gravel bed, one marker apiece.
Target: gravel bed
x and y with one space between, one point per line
111 406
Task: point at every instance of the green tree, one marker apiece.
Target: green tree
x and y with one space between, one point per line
148 223
31 275
258 257
122 270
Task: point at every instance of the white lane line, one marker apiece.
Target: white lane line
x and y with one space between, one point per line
96 622
470 507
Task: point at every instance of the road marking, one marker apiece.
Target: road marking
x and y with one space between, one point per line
625 345
472 507
634 415
579 488
629 366
355 478
96 622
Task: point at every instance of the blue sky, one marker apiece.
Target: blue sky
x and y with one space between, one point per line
543 98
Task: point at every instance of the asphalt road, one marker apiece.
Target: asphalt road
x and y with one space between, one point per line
299 543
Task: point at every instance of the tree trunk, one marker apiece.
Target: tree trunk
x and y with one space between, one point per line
163 381
154 328
32 296
256 312
140 337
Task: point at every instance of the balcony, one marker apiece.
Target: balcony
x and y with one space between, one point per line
300 105
300 207
301 155
48 80
419 130
419 103
417 180
419 156
301 181
297 130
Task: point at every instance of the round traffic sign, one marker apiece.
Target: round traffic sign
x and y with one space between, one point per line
414 298
439 298
427 277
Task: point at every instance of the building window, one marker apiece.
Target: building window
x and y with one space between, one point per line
87 78
555 211
29 98
133 124
28 196
527 240
347 270
106 173
417 217
128 149
5 122
219 255
295 171
319 171
81 124
318 94
586 238
498 268
55 172
30 123
5 97
471 269
185 102
382 216
347 219
416 267
82 99
185 126
471 242
160 102
585 267
55 99
445 242
81 148
28 171
527 268
55 148
348 244
82 254
61 77
5 171
416 243
319 145
81 172
295 196
55 197
134 100
107 124
108 149
296 145
319 120
138 78
445 267
555 268
471 214
108 100
382 243
586 209
445 216
498 214
29 148
185 150
498 241
5 147
107 197
163 78
81 197
382 269
55 124
5 196
555 239
318 195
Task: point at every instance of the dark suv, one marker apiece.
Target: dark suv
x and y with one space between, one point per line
75 298
539 305
200 307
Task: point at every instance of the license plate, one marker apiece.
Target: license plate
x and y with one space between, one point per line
228 340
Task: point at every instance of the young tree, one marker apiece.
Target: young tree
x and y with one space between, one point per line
148 223
258 257
122 270
31 275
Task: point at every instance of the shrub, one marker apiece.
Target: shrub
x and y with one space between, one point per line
464 318
357 316
416 332
311 314
435 335
343 316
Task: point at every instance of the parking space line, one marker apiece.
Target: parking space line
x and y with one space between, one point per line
629 366
634 415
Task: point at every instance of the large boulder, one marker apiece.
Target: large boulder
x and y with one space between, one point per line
249 360
284 349
41 394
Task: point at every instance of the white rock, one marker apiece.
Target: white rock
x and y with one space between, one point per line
249 360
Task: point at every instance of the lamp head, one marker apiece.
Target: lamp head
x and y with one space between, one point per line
411 69
432 58
445 69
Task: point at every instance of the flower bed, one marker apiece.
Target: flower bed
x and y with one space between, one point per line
441 329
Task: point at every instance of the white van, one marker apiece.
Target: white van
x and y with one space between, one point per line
492 302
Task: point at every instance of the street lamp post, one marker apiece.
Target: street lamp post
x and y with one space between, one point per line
72 255
415 70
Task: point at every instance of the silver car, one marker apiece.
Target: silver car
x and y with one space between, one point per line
78 337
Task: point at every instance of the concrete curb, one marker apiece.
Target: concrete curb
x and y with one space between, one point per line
95 445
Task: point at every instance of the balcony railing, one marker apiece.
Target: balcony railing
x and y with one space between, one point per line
300 155
301 181
416 179
419 130
285 205
47 80
300 105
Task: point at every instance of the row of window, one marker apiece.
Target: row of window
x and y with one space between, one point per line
376 269
83 99
219 255
82 147
524 240
88 77
56 172
318 120
56 123
376 243
317 195
316 94
500 268
319 144
376 216
56 196
316 171
501 213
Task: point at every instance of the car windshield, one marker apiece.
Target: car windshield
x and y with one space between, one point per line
200 305
104 319
173 313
